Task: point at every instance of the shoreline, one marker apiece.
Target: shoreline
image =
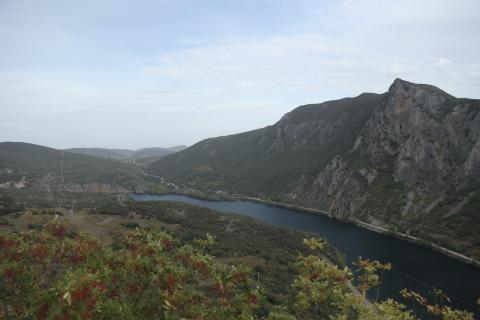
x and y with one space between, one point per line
402 236
418 241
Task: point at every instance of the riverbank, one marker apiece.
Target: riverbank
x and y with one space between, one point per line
284 205
418 241
422 242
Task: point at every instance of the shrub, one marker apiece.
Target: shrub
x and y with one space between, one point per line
151 275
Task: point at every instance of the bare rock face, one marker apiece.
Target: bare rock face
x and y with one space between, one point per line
416 158
407 159
340 186
294 135
431 134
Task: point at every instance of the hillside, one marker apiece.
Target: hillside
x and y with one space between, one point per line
24 165
268 160
166 260
117 154
270 250
126 154
407 160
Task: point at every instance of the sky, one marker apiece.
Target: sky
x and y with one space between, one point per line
142 73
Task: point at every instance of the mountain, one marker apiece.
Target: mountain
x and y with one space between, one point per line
267 160
407 160
118 154
155 152
25 165
178 148
126 154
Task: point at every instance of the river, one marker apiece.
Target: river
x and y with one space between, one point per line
414 266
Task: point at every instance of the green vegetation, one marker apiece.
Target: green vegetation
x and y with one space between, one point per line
151 260
451 224
125 154
13 200
53 274
9 205
384 197
269 250
398 167
160 188
244 163
47 275
47 165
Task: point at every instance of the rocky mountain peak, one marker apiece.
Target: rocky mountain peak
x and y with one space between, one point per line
397 83
407 160
402 86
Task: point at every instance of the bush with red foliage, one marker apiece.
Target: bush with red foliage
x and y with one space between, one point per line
50 276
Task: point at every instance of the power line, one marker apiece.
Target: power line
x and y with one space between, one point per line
61 173
430 286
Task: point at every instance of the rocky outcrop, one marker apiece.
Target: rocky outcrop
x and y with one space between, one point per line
432 135
406 160
414 167
12 178
421 137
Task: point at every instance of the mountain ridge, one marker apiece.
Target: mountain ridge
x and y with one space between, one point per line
26 165
127 154
407 160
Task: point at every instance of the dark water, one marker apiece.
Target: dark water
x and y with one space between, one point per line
414 267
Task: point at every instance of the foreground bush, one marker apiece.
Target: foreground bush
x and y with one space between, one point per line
52 274
327 291
45 275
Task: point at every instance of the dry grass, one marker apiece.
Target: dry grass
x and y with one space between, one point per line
251 261
101 226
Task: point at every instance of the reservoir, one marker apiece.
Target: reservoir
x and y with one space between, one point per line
413 266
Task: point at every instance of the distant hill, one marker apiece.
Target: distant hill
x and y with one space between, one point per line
407 160
30 165
117 154
178 148
155 152
126 154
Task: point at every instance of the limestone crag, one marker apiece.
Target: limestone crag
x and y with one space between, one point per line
407 160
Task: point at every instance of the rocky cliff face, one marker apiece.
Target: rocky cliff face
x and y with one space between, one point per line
433 136
425 139
414 167
407 160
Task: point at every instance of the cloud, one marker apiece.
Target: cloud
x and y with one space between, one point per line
305 66
204 85
474 70
442 62
397 69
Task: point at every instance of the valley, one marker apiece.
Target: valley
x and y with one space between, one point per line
240 160
430 269
405 163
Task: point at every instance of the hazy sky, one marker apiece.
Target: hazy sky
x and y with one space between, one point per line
131 74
